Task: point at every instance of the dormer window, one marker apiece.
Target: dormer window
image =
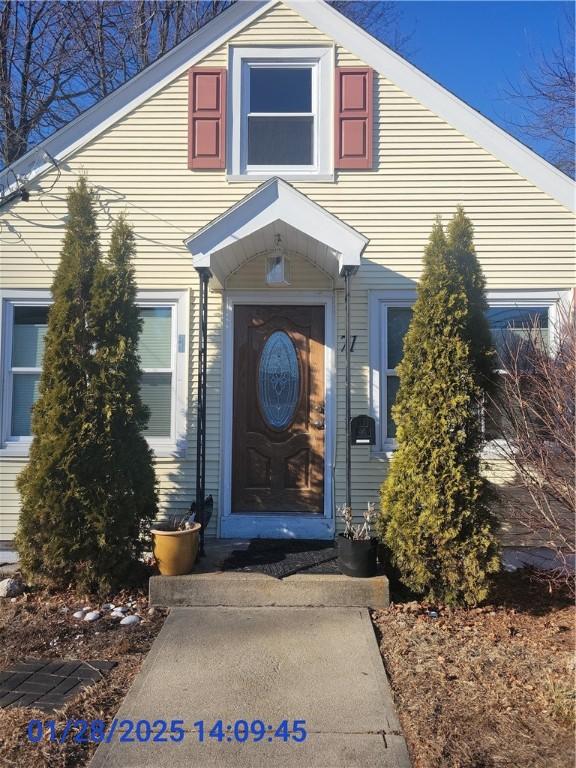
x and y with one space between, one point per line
281 113
285 112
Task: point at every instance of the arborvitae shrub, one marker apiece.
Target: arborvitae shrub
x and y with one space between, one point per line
460 233
436 517
77 520
123 516
126 510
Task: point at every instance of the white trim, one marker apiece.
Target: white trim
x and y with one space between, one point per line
292 177
385 61
439 100
178 300
550 298
135 91
321 59
379 300
278 525
272 201
11 445
524 297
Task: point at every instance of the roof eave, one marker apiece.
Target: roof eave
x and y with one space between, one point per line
439 100
134 92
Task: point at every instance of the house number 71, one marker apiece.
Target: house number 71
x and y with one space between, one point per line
352 343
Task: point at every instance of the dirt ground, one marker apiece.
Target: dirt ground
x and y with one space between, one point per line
491 687
486 688
35 626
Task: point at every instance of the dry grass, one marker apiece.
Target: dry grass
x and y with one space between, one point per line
34 626
486 688
491 687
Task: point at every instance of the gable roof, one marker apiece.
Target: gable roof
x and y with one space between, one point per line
272 202
135 91
332 23
439 100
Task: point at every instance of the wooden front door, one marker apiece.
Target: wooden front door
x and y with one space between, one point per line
278 418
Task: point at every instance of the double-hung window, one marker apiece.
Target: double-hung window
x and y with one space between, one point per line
161 348
156 351
25 327
280 115
512 317
280 111
390 315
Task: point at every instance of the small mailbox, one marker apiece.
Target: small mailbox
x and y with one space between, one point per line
362 431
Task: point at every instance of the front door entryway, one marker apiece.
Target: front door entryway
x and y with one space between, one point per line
278 434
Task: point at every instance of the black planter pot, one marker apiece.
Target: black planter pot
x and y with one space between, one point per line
357 558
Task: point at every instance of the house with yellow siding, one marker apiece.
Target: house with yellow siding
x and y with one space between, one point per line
282 170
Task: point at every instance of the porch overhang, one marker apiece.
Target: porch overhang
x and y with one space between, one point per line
250 227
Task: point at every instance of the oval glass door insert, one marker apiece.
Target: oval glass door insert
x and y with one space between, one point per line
278 380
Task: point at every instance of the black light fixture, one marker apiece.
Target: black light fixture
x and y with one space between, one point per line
24 195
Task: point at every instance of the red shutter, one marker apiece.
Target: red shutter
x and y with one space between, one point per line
207 118
353 118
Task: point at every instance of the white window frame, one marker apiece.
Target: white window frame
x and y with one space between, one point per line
552 299
178 301
380 301
321 60
14 444
174 444
378 304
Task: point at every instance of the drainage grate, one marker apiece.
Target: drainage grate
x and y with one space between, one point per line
48 684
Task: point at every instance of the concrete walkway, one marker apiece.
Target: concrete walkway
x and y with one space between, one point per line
321 665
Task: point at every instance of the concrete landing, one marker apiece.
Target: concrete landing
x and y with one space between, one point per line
229 588
270 664
210 586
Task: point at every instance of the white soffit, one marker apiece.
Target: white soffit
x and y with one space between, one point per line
275 200
439 100
414 82
134 92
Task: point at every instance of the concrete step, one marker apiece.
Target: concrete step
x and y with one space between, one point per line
243 590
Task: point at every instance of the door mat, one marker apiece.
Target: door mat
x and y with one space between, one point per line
48 684
283 557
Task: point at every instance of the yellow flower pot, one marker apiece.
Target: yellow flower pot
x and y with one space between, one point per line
175 551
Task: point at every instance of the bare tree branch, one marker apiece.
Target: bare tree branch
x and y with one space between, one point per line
536 409
36 52
58 58
380 18
548 93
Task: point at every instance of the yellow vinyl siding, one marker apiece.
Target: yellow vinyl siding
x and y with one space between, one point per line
303 276
9 500
278 26
424 167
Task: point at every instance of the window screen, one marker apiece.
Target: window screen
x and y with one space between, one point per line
155 350
397 322
280 116
28 334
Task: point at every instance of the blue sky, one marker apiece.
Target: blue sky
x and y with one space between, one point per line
475 48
